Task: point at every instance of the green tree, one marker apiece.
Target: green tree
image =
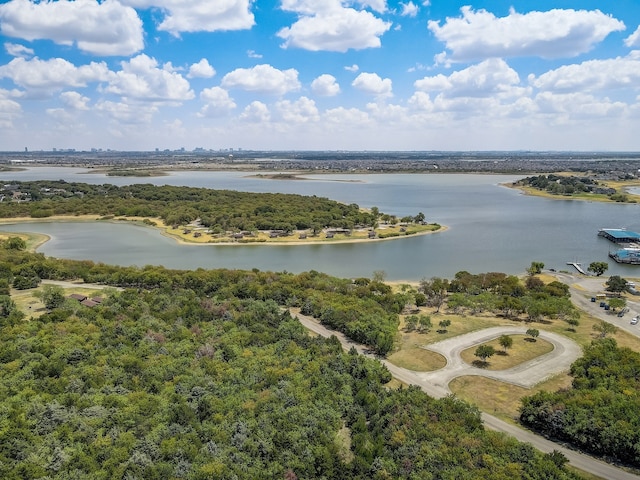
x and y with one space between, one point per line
533 333
435 290
15 243
444 324
410 323
535 268
506 342
7 306
617 303
616 284
605 328
598 268
483 352
22 282
379 276
424 321
51 295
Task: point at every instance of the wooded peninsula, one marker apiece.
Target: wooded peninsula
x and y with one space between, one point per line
203 215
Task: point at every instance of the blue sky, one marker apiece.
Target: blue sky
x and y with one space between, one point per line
320 75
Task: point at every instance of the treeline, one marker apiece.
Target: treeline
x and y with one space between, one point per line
570 185
212 381
366 311
601 412
500 294
219 210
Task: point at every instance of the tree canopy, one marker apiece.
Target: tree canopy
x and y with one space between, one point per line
204 374
224 210
601 412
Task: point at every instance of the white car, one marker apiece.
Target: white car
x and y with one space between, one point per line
634 320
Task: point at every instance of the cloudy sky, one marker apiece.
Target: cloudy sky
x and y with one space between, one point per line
320 74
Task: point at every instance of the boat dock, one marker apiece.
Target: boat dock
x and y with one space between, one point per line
619 235
578 267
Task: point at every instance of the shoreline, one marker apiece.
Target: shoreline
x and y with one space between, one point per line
181 241
533 192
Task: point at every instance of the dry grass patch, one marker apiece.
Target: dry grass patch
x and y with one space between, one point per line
343 444
417 359
31 306
499 398
33 240
522 351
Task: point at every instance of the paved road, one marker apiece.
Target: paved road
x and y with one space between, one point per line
526 375
578 460
90 286
583 287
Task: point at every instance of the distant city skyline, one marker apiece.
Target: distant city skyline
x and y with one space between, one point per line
420 75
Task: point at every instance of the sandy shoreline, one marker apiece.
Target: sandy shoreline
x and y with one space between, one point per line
182 241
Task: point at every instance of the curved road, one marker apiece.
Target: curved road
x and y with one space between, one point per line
578 460
526 375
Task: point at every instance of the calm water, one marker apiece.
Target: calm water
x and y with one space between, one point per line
491 228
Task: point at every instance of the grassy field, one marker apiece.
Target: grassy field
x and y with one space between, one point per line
522 350
262 237
33 240
498 398
31 306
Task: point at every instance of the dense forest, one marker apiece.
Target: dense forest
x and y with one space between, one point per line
366 311
203 374
219 210
601 412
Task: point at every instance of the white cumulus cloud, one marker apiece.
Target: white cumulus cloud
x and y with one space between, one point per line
106 28
327 25
302 110
325 85
592 75
53 74
487 78
74 100
128 113
200 15
577 105
202 69
9 109
217 102
256 112
552 34
379 6
409 9
17 50
263 79
372 83
141 78
633 40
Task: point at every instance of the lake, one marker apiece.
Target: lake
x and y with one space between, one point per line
491 227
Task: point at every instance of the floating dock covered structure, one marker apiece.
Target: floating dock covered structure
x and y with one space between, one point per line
619 235
626 255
